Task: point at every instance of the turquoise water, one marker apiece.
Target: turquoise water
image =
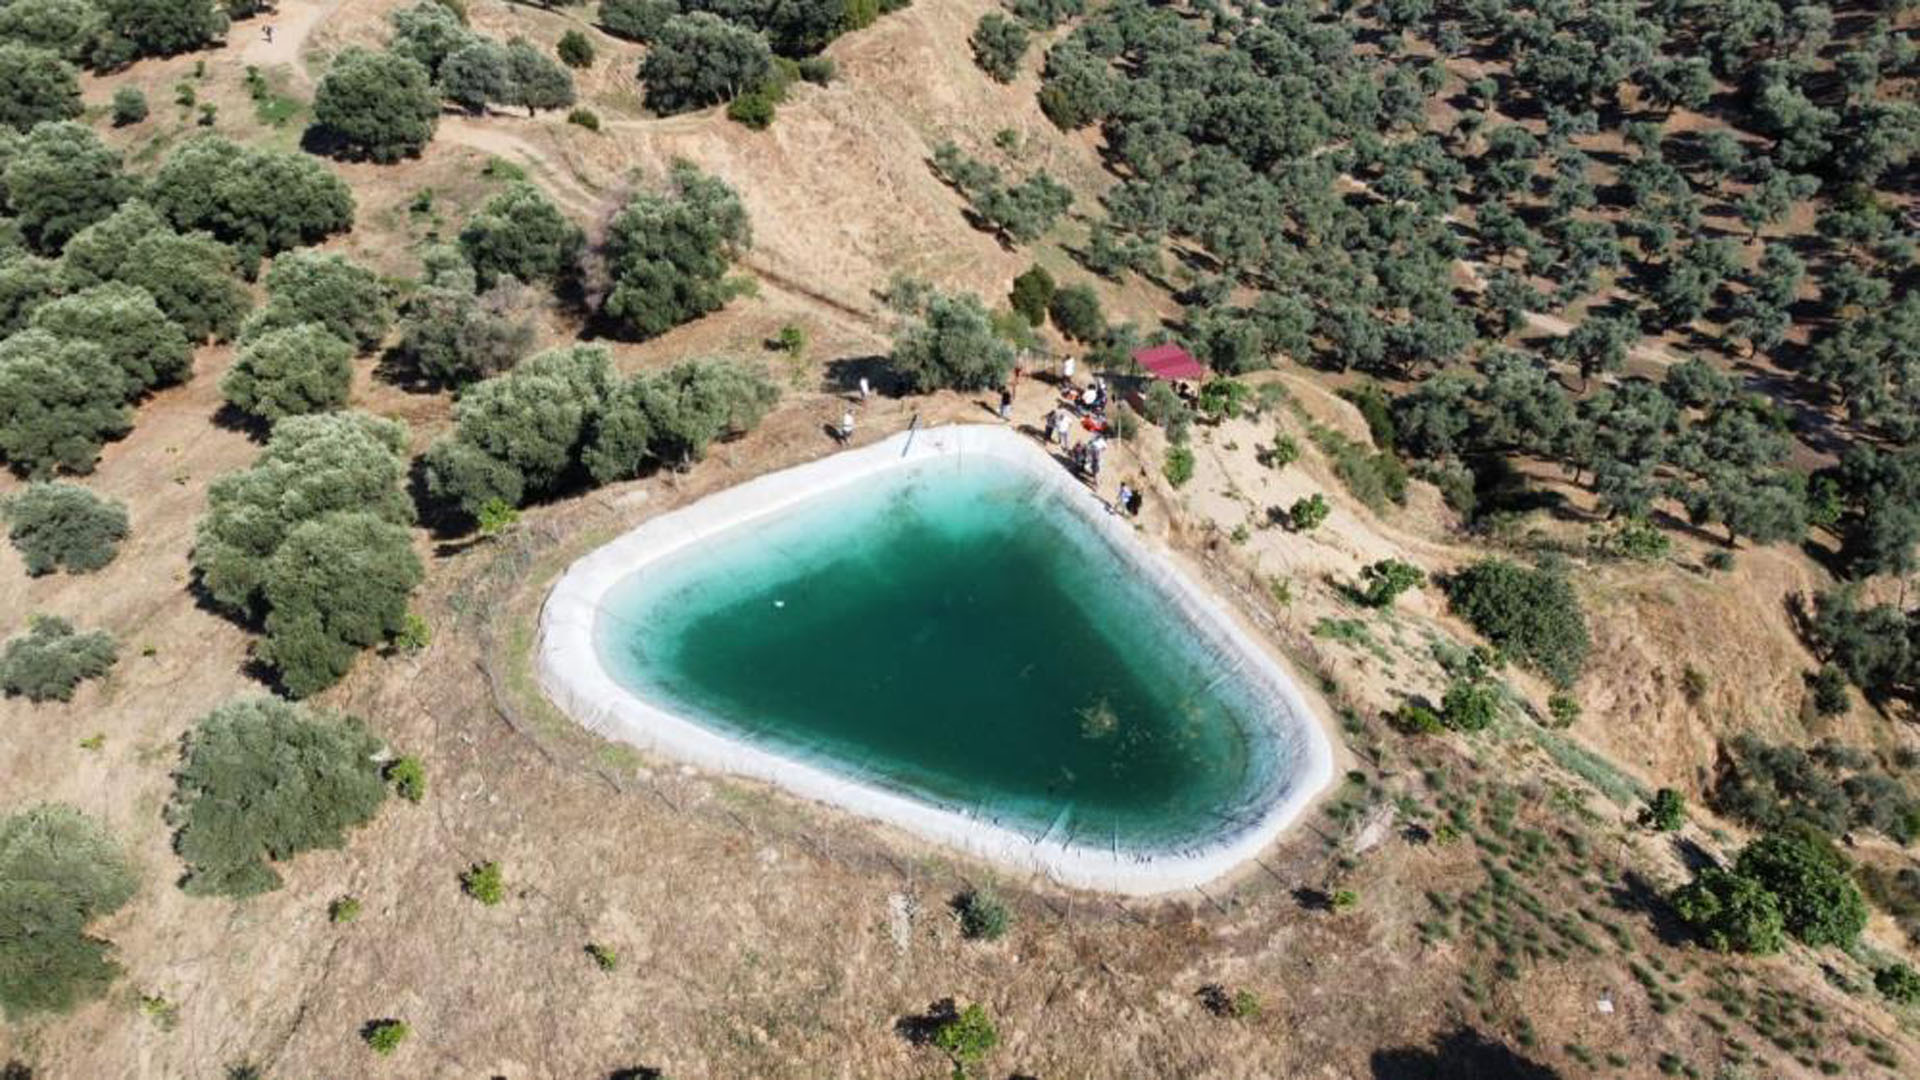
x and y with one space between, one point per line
960 636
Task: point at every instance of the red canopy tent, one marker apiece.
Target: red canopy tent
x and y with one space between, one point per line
1170 362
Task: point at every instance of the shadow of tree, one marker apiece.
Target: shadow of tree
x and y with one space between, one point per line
1462 1054
919 1029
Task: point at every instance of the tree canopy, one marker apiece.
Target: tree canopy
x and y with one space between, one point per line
261 781
667 253
60 871
375 106
60 526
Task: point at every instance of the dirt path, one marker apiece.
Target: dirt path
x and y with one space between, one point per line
562 179
291 22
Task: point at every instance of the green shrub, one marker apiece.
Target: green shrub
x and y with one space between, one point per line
1469 705
1811 881
998 45
344 909
575 50
585 118
1829 686
1224 399
59 872
1731 912
1414 719
289 372
129 106
1165 408
1032 292
59 526
1531 615
408 775
1564 709
51 659
262 780
1076 311
1308 513
755 108
604 957
1386 579
1178 467
385 1036
966 1037
1666 812
484 882
983 916
1898 983
819 70
1284 452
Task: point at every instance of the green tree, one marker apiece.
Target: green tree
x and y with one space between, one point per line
192 279
1386 579
999 43
983 915
1898 983
575 50
375 106
290 371
164 27
538 81
60 400
257 200
1469 705
636 20
520 233
966 1037
309 287
136 336
698 60
1530 614
52 658
60 180
1308 512
69 28
59 526
951 346
1810 880
479 72
129 106
60 871
36 86
336 585
674 416
1731 912
519 434
428 32
1598 344
313 466
1666 812
1076 311
261 781
97 252
667 253
452 338
1032 292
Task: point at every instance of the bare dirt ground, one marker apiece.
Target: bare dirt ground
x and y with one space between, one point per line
759 936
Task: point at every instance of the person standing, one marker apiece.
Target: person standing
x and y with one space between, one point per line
846 426
866 390
1125 499
1006 403
1066 369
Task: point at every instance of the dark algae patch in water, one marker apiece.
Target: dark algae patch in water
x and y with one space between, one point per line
960 636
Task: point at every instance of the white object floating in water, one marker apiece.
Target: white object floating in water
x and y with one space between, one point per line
779 603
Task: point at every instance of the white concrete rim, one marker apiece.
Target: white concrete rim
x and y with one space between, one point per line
572 674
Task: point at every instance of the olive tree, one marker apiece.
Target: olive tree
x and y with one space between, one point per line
536 81
60 180
452 337
60 872
520 233
36 86
951 345
289 371
257 200
667 253
428 32
60 400
97 252
330 290
517 435
698 60
312 466
998 45
69 28
375 106
123 320
52 658
58 526
261 781
191 277
164 27
337 584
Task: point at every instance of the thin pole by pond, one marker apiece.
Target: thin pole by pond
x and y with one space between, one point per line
913 427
